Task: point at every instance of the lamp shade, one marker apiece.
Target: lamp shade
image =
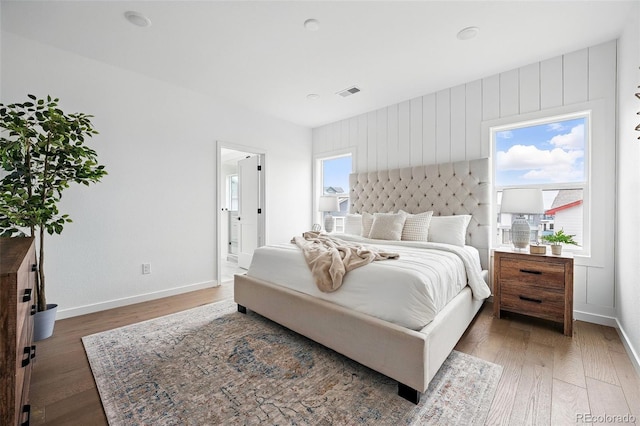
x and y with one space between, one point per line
328 203
522 200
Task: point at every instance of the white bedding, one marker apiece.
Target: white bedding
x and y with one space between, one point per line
408 291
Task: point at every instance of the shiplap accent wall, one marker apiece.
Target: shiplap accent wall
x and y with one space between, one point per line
448 126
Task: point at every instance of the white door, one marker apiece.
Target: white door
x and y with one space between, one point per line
249 209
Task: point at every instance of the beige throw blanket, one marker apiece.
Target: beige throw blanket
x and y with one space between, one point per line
331 258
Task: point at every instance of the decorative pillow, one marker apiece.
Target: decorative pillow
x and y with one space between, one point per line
416 227
449 229
367 221
353 224
387 226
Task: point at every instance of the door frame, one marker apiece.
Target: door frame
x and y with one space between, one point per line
262 228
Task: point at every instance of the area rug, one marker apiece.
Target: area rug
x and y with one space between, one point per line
214 366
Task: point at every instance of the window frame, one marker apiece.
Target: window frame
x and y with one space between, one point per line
230 197
543 118
318 188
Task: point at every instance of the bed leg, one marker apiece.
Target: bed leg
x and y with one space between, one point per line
242 309
408 393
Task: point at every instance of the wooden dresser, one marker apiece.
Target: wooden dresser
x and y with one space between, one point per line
540 286
17 307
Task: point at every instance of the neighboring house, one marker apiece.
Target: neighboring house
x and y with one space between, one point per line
333 190
567 212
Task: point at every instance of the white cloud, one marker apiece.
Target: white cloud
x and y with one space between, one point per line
572 140
554 174
554 165
555 127
505 134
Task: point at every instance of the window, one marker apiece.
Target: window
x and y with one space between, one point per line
232 192
333 178
550 154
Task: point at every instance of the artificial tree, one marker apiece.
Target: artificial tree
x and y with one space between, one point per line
42 151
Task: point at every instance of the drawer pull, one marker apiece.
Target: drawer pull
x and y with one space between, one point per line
33 309
26 356
34 268
530 271
529 299
26 409
33 351
27 295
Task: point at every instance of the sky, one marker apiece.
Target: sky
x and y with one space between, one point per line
336 172
541 154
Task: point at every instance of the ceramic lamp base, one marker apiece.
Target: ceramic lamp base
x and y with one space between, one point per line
329 221
520 232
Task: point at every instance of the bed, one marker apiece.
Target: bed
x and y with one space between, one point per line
409 353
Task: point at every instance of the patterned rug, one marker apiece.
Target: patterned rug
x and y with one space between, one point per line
212 365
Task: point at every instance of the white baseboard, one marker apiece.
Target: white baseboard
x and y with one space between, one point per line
633 355
595 318
612 322
116 303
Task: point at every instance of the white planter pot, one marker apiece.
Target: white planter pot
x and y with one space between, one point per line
44 321
556 249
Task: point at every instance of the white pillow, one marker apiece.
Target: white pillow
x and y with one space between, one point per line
353 224
449 229
416 227
387 226
367 221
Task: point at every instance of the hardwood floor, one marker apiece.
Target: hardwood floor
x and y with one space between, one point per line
63 391
547 379
552 379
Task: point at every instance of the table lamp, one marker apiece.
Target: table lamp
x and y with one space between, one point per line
521 201
328 204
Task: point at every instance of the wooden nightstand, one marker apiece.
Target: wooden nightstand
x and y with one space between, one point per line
540 286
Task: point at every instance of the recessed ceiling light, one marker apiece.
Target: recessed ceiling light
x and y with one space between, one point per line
468 33
137 18
313 96
312 24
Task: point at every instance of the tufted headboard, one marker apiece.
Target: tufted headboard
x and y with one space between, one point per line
461 187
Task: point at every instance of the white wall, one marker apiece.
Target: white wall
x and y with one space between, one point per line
1 54
628 173
157 205
448 126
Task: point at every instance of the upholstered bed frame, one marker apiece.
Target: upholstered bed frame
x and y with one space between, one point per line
410 357
447 189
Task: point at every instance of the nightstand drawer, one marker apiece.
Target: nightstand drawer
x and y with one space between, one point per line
536 285
541 303
533 273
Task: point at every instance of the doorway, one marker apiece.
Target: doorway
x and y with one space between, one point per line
240 208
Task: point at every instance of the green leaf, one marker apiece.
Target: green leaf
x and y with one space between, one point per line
42 153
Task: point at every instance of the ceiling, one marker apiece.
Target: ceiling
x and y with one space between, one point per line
259 55
231 156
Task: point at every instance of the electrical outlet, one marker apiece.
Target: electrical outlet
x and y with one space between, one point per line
146 268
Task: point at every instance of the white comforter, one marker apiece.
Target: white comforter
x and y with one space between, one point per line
408 291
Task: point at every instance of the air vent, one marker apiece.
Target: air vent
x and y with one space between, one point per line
348 92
